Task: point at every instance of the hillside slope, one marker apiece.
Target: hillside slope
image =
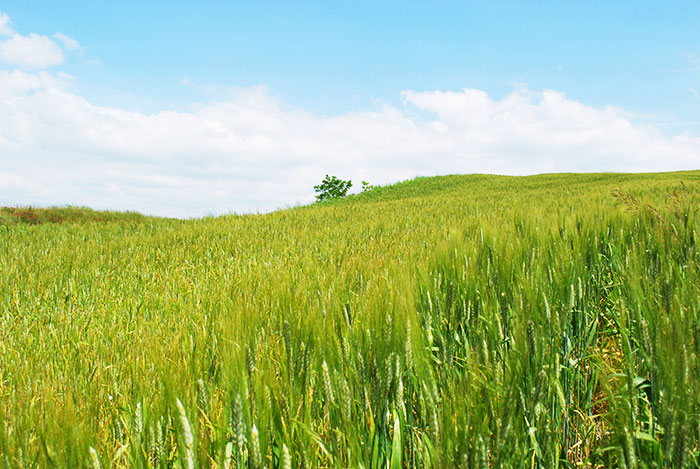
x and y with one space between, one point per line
37 216
481 321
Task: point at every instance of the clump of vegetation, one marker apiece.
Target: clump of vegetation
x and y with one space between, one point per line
36 216
499 322
332 188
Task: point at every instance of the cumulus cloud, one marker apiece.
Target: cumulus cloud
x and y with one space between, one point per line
68 42
33 51
252 152
5 28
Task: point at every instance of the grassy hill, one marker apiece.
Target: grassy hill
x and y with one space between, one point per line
37 216
474 321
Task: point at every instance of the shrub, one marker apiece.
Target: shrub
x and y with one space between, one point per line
332 188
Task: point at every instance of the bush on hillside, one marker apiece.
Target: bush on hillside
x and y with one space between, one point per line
332 188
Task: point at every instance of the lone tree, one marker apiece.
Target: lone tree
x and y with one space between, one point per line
332 188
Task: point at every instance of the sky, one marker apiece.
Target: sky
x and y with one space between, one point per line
188 109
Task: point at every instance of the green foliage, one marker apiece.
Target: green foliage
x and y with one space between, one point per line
461 321
332 188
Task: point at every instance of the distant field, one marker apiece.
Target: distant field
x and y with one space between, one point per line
37 216
458 321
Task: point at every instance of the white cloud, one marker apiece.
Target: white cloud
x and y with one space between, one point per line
68 42
33 51
694 92
251 152
5 28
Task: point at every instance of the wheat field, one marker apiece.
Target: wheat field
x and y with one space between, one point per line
457 321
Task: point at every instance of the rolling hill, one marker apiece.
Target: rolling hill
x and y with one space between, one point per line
454 321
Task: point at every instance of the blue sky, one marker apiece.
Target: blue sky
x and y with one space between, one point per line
331 62
329 57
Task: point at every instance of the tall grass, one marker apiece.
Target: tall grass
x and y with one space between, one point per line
35 216
465 321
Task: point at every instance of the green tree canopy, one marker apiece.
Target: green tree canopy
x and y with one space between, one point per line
332 188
